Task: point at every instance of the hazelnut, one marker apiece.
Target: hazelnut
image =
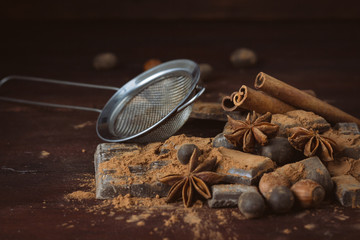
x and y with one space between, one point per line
185 151
151 63
243 57
281 199
308 193
271 180
104 61
251 204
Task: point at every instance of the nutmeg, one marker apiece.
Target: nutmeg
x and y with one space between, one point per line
251 204
185 151
281 199
271 180
308 193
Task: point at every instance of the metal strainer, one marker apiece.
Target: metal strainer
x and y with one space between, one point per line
151 107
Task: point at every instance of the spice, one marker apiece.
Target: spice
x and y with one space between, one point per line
281 199
199 175
300 99
185 151
250 99
253 129
251 204
228 104
312 143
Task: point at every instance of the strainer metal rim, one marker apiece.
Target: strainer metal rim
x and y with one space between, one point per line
118 101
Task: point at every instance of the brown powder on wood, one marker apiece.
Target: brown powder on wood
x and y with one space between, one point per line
127 202
80 195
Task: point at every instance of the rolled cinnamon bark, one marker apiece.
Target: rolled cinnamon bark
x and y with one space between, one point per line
250 99
300 99
228 103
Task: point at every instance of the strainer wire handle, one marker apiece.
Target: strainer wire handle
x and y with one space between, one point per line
36 79
200 90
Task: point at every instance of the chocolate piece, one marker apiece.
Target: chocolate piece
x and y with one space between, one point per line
310 168
280 151
281 199
299 118
221 141
351 152
251 204
110 185
208 110
347 190
244 168
185 151
347 128
227 195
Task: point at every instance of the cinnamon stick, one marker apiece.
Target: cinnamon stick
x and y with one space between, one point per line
300 99
227 103
250 99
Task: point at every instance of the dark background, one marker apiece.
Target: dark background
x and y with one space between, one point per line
308 44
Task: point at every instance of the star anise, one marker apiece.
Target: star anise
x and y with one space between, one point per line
253 129
196 181
312 143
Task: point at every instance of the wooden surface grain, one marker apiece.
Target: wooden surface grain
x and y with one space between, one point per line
319 55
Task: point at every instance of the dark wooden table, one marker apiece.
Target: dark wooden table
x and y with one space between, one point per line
319 55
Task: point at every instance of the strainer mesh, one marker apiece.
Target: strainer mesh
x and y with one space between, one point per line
152 104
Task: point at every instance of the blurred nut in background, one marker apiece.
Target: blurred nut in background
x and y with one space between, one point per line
205 70
243 57
104 61
153 62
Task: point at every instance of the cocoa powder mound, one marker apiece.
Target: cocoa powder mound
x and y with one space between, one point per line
157 152
294 172
342 140
340 167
